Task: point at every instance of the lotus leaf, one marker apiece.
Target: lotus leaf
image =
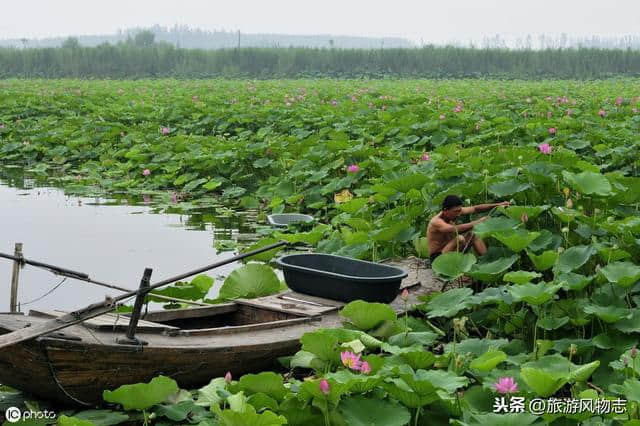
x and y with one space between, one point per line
573 258
365 315
520 277
490 271
588 183
534 294
453 264
251 280
141 396
362 411
517 240
449 303
543 261
625 274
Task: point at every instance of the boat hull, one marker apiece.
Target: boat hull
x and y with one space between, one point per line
73 373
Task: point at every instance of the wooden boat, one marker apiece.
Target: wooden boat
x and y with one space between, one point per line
192 345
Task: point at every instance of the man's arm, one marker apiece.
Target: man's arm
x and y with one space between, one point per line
445 227
483 207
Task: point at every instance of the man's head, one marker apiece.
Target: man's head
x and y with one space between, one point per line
451 207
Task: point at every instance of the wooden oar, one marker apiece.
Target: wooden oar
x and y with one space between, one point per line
108 305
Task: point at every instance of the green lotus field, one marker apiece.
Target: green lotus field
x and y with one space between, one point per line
552 313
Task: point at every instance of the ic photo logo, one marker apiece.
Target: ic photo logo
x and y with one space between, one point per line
14 415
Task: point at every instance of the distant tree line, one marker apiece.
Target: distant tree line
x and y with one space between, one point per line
142 57
194 38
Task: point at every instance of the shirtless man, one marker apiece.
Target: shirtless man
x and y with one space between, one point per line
441 231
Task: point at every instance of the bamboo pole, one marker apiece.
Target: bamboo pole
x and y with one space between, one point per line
15 277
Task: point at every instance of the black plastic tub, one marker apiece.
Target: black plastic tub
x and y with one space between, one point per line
341 278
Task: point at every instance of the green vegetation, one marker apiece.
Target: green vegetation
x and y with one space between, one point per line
554 311
140 57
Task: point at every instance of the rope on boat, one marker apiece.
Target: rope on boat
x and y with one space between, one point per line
55 377
46 294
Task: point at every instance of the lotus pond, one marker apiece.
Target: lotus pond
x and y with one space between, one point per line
552 312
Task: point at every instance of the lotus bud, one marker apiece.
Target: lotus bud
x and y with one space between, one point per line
573 349
565 230
569 203
524 218
405 295
324 387
227 377
566 191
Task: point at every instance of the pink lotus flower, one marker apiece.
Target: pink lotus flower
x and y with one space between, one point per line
549 98
174 197
506 385
146 172
602 113
545 148
350 360
324 386
165 130
524 218
365 368
458 108
549 114
146 199
619 100
442 116
569 112
405 294
194 98
334 102
552 130
227 377
354 168
425 157
1 126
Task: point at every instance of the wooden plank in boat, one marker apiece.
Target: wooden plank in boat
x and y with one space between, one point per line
199 312
109 321
314 299
276 303
243 328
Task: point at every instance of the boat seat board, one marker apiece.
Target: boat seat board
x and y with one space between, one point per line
185 313
109 321
314 306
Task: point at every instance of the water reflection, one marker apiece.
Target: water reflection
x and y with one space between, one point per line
112 239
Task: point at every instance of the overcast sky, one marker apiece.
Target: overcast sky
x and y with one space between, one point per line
432 21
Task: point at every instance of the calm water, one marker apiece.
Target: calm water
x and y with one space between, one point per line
111 242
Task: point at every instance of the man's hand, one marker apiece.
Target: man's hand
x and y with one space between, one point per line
503 204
